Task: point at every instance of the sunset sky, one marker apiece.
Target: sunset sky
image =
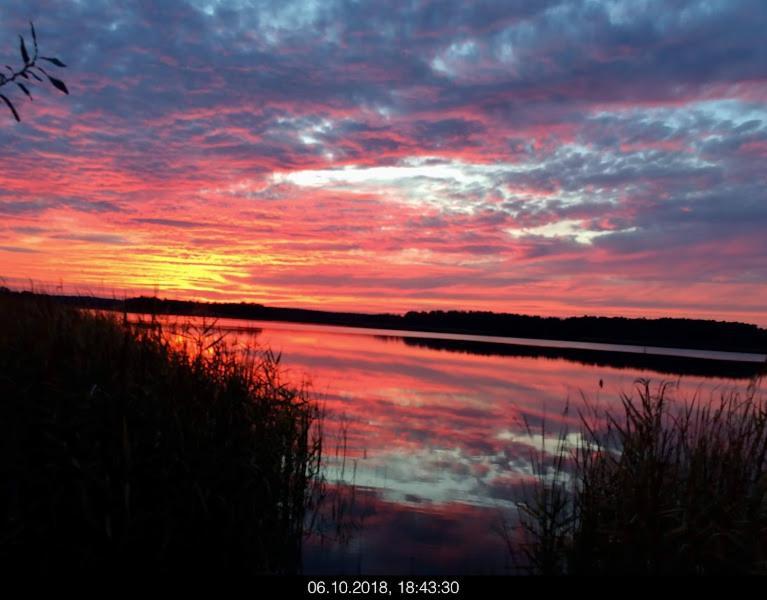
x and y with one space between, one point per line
551 157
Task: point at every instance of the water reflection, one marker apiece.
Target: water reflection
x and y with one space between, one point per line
434 441
415 538
659 364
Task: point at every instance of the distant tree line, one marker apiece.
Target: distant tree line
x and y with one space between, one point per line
667 332
671 332
656 363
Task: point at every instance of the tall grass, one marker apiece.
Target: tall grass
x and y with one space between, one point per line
546 512
119 448
662 486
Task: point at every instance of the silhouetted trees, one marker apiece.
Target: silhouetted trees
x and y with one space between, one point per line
30 73
675 332
668 332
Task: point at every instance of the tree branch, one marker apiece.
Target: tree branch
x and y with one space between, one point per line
30 72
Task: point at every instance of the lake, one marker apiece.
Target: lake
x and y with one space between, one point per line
427 443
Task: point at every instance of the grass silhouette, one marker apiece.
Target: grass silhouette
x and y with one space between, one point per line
120 448
663 486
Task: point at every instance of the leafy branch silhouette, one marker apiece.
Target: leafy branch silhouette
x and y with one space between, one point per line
31 72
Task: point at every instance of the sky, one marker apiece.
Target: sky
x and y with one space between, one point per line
600 157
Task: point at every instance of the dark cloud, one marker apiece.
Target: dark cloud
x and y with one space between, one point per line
100 238
170 223
18 250
35 206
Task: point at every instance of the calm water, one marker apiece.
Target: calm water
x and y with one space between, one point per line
435 443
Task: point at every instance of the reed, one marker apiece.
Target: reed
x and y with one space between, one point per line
121 448
661 486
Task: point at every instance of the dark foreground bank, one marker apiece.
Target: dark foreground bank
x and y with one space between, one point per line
120 449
